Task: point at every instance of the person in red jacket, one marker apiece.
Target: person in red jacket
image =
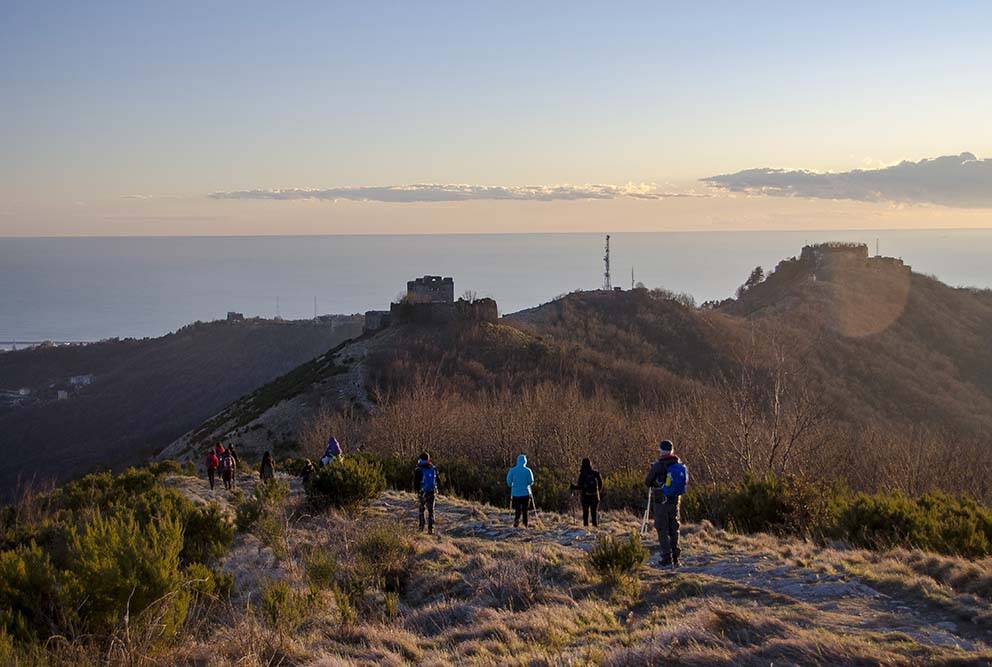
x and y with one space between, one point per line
213 462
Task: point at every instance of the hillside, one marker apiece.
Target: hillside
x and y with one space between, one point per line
362 588
142 393
883 345
826 349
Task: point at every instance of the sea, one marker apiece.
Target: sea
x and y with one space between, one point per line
92 288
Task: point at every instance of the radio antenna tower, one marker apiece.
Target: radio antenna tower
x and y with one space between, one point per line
631 277
607 285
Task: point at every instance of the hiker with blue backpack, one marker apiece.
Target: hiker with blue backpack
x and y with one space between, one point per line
425 483
667 480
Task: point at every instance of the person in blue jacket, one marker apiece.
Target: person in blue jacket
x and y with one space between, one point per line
519 479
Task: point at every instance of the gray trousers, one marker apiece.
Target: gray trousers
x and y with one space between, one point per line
666 522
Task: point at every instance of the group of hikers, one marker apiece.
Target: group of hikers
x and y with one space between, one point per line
666 483
225 460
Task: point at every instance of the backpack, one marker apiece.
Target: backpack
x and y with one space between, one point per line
675 480
428 479
588 484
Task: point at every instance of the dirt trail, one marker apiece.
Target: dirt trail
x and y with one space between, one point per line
753 571
756 570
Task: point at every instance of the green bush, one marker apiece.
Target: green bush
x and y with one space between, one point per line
283 607
207 534
383 557
104 545
346 482
615 557
941 523
322 568
30 597
118 566
264 498
781 505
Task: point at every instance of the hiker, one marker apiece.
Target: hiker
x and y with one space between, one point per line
212 464
519 479
227 468
589 486
234 455
333 451
308 470
219 449
425 482
267 471
667 478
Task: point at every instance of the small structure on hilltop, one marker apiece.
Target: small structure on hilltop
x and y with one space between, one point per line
852 254
375 320
431 289
81 380
233 316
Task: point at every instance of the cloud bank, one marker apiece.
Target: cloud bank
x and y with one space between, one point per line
433 192
961 181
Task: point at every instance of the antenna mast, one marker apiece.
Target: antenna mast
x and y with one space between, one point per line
631 277
607 285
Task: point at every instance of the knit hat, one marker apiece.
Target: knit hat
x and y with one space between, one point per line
666 446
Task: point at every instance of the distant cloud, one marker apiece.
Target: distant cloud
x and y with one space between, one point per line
433 192
961 181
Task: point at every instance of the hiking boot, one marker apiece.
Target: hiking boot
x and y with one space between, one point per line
664 562
675 562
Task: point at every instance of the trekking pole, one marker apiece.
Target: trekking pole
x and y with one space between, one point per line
647 512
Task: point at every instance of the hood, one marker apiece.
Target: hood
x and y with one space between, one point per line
522 461
669 459
425 464
586 466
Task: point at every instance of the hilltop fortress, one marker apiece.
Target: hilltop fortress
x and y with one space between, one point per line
431 299
852 254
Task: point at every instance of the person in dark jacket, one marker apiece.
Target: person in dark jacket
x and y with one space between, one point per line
666 510
425 485
213 463
267 471
590 487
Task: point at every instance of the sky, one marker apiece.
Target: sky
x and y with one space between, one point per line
244 118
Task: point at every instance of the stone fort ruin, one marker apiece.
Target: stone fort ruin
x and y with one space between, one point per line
431 299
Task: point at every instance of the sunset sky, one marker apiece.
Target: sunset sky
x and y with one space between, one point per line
245 118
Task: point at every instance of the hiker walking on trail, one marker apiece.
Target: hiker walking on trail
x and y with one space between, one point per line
589 486
267 471
425 482
213 463
519 479
333 451
667 479
227 467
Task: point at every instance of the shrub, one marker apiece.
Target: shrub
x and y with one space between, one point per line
383 556
941 523
615 557
782 505
207 535
283 607
264 498
29 592
345 483
322 568
117 566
